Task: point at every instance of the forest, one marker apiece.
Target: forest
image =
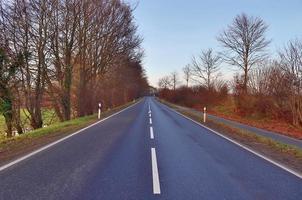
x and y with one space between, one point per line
67 56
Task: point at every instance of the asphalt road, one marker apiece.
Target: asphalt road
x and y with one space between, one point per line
124 158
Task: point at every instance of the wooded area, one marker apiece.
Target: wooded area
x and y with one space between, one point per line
68 55
266 85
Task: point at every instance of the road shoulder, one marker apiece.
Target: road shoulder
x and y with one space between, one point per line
16 147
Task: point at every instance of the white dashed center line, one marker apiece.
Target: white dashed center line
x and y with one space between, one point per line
151 133
155 175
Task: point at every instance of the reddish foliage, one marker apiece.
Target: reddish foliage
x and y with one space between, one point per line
196 97
279 126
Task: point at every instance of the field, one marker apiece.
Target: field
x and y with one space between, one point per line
48 115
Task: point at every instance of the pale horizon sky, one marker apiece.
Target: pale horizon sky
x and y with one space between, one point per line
175 30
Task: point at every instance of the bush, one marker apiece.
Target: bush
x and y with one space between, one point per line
194 97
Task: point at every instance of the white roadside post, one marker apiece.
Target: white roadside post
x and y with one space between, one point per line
204 114
99 111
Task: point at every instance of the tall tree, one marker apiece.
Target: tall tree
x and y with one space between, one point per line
187 74
165 82
291 64
26 30
64 24
9 67
174 80
244 43
68 47
107 36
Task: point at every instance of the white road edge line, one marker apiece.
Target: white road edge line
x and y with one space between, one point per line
150 115
150 120
151 133
60 140
155 175
297 174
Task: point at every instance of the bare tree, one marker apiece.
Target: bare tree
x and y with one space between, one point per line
205 67
291 64
187 74
63 27
245 43
165 82
26 24
107 38
9 67
68 46
259 79
174 80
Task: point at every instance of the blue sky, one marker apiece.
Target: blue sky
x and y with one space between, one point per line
175 30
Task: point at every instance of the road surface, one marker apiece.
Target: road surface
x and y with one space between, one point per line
142 154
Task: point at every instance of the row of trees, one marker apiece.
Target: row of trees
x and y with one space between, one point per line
74 53
269 86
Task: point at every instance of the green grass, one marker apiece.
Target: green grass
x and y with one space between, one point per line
224 110
2 125
261 139
62 127
57 128
48 115
227 107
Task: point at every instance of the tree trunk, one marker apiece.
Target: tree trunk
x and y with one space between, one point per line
17 119
245 80
8 120
66 104
8 115
36 118
81 98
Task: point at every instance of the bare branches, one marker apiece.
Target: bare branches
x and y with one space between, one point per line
291 62
68 47
187 74
244 43
174 80
291 65
205 67
165 82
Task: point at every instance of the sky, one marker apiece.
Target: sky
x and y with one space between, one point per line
175 30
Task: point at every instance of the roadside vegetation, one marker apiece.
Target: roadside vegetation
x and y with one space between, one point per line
288 155
13 147
264 88
60 59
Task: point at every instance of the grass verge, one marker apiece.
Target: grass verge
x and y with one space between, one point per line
288 155
11 148
48 115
